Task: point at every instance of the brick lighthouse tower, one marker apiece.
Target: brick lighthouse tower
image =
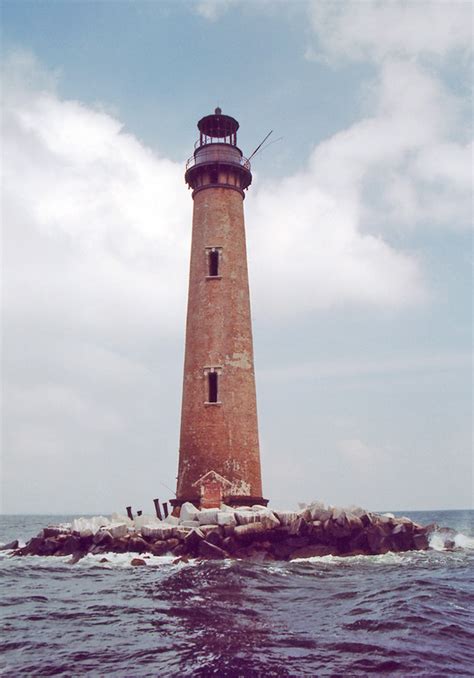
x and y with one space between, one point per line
219 458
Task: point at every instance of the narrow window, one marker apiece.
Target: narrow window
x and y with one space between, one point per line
212 377
214 262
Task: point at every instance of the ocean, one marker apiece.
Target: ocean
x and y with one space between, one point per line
404 614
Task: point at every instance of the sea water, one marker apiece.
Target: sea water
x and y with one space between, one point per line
404 614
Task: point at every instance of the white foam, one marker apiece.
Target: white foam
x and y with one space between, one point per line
124 560
463 541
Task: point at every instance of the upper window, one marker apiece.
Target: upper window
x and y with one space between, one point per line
213 261
212 385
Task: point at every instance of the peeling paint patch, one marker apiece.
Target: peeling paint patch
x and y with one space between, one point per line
240 487
241 360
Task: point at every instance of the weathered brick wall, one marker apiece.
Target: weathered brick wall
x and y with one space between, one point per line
220 437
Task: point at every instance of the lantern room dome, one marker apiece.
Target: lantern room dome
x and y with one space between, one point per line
218 125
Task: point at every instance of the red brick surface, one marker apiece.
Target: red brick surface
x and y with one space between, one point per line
221 437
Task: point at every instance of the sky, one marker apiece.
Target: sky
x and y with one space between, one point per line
358 233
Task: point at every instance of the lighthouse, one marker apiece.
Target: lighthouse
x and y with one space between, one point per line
219 458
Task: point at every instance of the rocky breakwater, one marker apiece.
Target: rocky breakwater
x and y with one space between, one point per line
253 532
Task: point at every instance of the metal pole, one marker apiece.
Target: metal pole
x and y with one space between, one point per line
157 509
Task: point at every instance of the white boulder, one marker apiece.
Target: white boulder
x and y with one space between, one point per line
286 517
118 529
139 521
244 517
225 518
208 516
249 529
188 512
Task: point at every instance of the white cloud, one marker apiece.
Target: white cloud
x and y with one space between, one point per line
213 9
96 225
375 30
409 163
96 237
306 251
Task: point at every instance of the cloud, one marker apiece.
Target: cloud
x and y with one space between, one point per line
322 236
409 162
374 30
96 225
213 9
96 249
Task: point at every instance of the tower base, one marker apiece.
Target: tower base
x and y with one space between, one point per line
242 500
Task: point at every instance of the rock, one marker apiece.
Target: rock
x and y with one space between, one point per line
208 529
70 545
207 550
402 538
228 530
317 529
170 520
214 538
377 541
366 519
193 539
316 508
85 542
179 550
165 531
249 530
282 550
189 523
286 517
181 559
229 544
269 519
172 543
76 557
254 553
10 546
159 548
32 547
246 517
120 545
311 551
48 547
420 541
208 516
86 526
104 560
355 510
226 519
140 521
359 544
102 538
188 513
54 531
182 531
137 562
355 523
385 524
262 515
118 530
137 545
300 527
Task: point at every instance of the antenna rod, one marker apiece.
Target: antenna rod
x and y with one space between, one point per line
260 144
